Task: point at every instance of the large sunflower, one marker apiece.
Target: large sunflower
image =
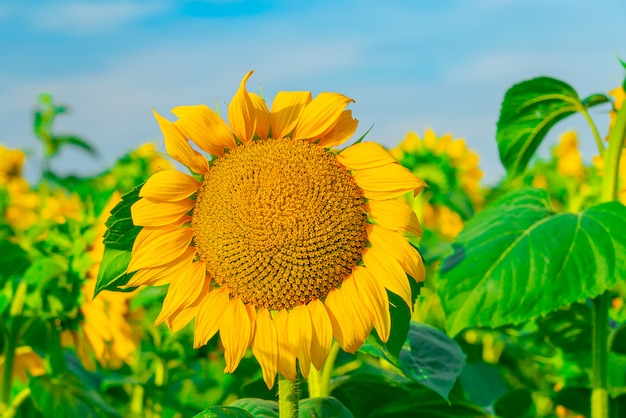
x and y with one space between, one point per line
278 242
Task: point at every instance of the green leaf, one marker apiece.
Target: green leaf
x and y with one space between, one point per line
618 339
223 412
529 110
42 270
483 383
112 274
568 328
431 358
575 398
258 408
64 140
121 232
517 403
519 259
13 259
323 408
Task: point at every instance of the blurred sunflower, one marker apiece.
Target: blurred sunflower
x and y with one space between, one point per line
26 363
106 329
279 242
451 171
21 202
618 95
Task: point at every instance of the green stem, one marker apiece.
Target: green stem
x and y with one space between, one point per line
7 375
329 365
594 129
599 377
288 397
17 401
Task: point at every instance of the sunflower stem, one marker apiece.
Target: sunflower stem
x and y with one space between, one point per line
594 129
600 350
288 397
327 369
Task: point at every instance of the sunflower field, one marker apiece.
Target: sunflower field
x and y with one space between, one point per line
270 264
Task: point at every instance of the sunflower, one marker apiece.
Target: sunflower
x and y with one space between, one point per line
618 94
26 363
278 242
449 168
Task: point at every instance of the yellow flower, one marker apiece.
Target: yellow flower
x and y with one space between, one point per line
11 164
279 243
105 329
443 219
619 95
569 160
26 363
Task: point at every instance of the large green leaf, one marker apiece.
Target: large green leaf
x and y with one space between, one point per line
224 412
258 408
112 274
323 408
13 259
529 110
431 358
121 232
519 259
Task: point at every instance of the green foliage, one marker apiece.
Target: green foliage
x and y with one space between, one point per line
519 259
323 407
529 110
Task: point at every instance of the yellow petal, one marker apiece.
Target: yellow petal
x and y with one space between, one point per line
299 325
389 273
286 110
146 212
161 275
387 181
322 333
205 128
184 290
265 346
350 320
241 113
178 148
364 155
169 186
320 116
262 115
210 315
394 215
374 297
159 247
394 245
182 317
235 333
287 350
341 132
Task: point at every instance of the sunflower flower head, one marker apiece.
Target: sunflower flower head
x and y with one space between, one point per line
569 160
449 168
277 242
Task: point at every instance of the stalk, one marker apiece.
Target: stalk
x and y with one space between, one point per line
599 376
288 397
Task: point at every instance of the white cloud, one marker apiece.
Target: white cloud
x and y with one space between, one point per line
89 16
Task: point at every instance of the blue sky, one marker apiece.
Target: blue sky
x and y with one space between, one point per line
410 65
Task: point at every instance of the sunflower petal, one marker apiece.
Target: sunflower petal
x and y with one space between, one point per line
146 212
394 215
299 325
320 116
160 246
235 333
374 297
161 275
241 112
286 110
178 148
265 346
364 155
350 320
287 350
262 115
169 186
389 273
210 315
322 333
205 128
341 132
387 182
184 290
395 246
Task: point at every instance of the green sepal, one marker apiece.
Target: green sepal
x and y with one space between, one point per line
121 232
